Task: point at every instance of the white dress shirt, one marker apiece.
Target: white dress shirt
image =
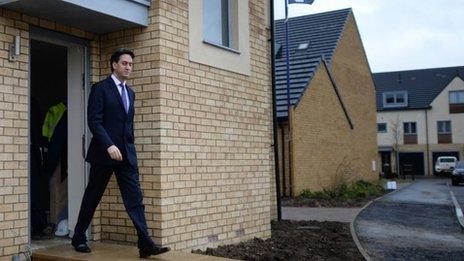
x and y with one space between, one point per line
118 84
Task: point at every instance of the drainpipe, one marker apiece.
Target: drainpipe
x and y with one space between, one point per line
274 115
427 141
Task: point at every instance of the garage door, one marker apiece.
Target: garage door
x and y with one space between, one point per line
412 163
435 156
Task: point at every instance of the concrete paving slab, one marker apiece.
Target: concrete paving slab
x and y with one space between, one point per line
320 214
113 252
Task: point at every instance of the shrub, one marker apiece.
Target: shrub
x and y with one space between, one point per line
356 190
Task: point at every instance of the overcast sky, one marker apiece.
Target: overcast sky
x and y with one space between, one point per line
400 34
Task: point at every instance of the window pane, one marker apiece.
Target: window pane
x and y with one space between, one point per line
460 97
444 127
216 21
440 126
400 98
381 127
453 97
390 98
406 127
456 97
413 127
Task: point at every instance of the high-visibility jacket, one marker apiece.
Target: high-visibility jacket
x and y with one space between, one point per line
52 118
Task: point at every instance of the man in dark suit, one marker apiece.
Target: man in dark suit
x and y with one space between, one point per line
111 121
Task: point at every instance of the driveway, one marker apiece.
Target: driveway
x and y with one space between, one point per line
416 223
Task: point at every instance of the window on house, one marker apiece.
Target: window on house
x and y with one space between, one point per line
456 97
456 101
381 127
395 99
444 132
444 127
217 23
410 128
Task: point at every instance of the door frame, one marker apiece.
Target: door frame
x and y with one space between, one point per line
57 38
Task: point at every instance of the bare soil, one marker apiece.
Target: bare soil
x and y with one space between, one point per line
295 240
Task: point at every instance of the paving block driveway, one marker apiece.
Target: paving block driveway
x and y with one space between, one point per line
416 223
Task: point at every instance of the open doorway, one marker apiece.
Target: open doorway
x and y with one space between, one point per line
57 137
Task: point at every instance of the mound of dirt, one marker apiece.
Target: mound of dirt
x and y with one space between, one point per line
295 240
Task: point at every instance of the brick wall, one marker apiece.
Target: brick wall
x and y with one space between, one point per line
203 137
14 127
352 73
13 136
324 149
215 139
203 134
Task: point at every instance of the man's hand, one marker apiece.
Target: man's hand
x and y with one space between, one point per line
114 153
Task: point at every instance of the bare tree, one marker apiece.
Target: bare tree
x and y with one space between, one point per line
396 133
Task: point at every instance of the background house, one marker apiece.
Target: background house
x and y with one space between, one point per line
420 117
329 134
203 126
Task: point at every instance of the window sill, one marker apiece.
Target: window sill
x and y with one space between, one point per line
221 46
395 105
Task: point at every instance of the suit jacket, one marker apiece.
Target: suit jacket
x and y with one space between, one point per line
110 124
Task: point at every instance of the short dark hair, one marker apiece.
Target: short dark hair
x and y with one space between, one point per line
117 55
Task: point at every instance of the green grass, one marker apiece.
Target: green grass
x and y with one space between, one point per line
356 190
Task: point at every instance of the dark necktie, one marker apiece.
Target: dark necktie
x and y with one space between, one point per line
124 97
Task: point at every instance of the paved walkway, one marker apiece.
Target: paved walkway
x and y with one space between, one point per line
416 223
113 252
320 214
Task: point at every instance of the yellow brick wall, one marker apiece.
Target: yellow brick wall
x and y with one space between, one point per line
325 151
203 135
216 131
14 127
13 136
352 73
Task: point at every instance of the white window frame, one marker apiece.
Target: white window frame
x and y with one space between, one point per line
460 94
410 124
395 95
230 36
445 125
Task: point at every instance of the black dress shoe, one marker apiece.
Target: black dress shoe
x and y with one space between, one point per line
83 248
156 250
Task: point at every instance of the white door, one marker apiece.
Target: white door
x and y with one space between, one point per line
76 131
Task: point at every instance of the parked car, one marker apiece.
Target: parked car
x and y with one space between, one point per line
445 164
458 174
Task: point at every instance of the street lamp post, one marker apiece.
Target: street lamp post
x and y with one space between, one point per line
287 50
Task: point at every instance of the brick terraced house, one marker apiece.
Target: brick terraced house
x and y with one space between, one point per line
329 132
419 118
203 126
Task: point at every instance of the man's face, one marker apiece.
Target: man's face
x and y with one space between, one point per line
123 68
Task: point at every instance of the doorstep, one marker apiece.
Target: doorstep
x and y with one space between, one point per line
112 252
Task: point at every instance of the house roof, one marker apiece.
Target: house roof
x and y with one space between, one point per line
322 33
422 85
